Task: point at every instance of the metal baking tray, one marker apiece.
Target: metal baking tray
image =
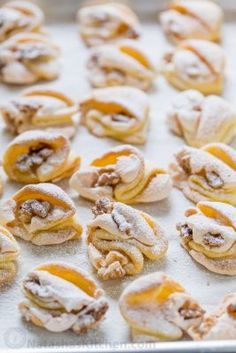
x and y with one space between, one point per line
209 288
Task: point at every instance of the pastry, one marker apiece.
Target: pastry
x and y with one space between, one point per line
118 112
205 174
42 214
19 16
219 325
108 22
208 233
126 63
9 251
196 64
61 297
122 174
39 108
192 19
157 308
119 237
26 58
39 156
201 120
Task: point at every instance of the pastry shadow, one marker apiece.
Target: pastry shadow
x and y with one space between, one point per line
40 337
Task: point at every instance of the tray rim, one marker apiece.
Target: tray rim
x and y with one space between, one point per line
161 347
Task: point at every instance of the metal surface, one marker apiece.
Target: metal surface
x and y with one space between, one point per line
113 334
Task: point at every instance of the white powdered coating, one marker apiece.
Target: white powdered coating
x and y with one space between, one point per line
68 306
123 218
56 290
131 99
212 53
18 55
157 189
212 226
113 10
38 136
227 211
207 11
51 190
163 318
181 26
201 119
101 23
8 245
217 148
192 19
200 159
127 168
111 57
19 16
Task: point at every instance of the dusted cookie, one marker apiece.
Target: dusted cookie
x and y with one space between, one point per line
208 233
42 214
201 120
126 63
61 297
195 64
219 325
192 19
208 173
39 156
108 22
122 174
39 108
19 16
9 251
158 308
118 112
119 237
27 58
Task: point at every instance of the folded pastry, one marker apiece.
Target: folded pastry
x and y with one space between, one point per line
107 22
9 251
39 156
208 233
61 297
219 325
19 16
122 174
158 308
197 64
119 237
39 108
27 58
118 112
208 173
126 63
192 19
42 214
201 120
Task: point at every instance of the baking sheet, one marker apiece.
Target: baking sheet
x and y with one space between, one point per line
207 287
